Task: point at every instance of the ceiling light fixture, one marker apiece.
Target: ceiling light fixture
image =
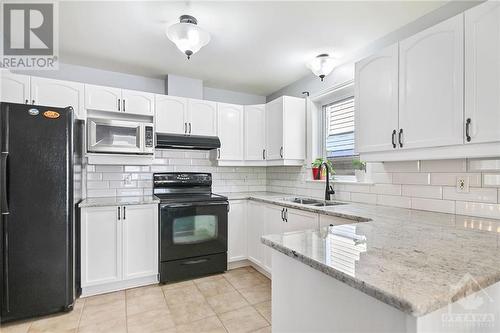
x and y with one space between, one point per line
187 35
322 65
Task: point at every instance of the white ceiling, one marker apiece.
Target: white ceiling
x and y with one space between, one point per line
256 47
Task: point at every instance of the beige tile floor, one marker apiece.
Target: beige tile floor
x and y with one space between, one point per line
236 301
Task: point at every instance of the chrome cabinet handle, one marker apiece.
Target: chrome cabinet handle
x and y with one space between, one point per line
185 128
281 152
218 153
286 215
119 212
123 105
189 128
119 104
124 213
400 138
282 214
467 129
394 139
263 154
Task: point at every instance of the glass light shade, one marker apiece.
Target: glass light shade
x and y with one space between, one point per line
322 65
188 37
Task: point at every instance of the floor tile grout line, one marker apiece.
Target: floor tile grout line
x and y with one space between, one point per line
81 314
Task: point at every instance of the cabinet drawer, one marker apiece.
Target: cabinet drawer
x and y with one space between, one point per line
183 269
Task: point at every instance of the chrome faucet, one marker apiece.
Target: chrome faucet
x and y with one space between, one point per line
328 189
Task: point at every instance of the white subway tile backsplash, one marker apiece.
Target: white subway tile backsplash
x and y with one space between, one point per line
109 168
381 178
97 184
450 179
491 180
101 193
122 192
120 184
484 164
389 189
412 178
407 166
342 196
94 176
478 209
443 206
423 191
475 194
364 198
393 201
459 165
132 168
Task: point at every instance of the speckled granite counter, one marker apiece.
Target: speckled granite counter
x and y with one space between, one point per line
415 261
116 201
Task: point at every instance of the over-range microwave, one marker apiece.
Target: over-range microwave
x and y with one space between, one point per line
119 136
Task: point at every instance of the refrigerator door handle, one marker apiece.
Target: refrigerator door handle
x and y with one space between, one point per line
4 131
5 287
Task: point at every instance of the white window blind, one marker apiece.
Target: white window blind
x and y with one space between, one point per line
339 118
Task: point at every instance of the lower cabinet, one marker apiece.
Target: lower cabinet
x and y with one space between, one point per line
237 231
296 220
255 229
119 247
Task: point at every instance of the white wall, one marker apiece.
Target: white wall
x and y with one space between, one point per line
229 96
182 86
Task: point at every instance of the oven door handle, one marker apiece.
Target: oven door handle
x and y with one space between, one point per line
192 204
194 262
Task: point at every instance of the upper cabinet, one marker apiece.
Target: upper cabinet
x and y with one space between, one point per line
376 90
179 115
58 93
482 73
202 117
171 114
15 88
431 86
230 130
103 98
286 130
255 132
40 91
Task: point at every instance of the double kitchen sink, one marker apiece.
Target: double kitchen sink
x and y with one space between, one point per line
313 202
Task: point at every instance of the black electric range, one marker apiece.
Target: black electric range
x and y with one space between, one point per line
193 226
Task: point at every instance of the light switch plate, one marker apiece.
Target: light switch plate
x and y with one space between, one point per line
462 184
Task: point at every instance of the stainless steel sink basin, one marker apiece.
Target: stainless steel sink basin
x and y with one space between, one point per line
313 202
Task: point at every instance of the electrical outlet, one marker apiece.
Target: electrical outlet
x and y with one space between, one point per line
462 184
128 180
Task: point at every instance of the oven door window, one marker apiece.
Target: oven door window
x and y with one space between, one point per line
195 229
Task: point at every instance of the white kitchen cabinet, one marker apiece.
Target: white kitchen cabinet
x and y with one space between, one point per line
15 88
255 230
296 220
273 224
101 246
255 132
58 93
138 102
237 231
102 98
230 119
171 114
140 239
376 90
202 117
119 247
286 129
431 86
482 73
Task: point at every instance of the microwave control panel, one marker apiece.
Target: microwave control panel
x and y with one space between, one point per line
149 136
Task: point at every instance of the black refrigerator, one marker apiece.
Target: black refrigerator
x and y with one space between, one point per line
40 184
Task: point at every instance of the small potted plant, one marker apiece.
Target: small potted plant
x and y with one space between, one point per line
319 173
359 170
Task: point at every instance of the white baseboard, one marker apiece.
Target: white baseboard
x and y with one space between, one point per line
121 285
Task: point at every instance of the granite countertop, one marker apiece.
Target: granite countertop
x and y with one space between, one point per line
117 201
415 261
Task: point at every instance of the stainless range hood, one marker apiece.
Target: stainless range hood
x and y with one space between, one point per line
179 141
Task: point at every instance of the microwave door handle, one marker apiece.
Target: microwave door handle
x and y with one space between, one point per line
142 138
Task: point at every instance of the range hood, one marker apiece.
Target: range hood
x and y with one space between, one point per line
179 141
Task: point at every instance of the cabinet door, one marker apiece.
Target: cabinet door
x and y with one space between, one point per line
59 93
273 225
138 102
237 231
376 90
140 241
15 88
297 220
294 128
431 86
255 230
274 129
230 131
103 98
171 114
255 132
482 72
202 117
101 244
